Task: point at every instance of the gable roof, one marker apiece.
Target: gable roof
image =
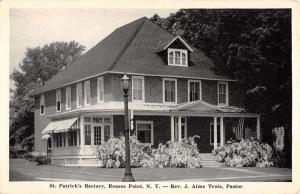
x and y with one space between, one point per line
132 49
203 106
164 45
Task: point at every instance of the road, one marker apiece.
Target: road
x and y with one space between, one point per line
23 170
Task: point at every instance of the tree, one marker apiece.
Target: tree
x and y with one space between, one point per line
252 46
38 65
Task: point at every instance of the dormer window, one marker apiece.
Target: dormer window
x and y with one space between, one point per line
177 57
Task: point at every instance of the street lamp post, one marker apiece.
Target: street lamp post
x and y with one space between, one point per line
128 175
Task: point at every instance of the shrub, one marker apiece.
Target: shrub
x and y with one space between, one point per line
28 143
32 155
280 158
172 154
15 152
246 153
112 152
42 160
183 154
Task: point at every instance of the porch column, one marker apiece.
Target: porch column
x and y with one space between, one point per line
67 138
172 128
52 143
258 127
215 133
221 131
78 136
179 129
81 132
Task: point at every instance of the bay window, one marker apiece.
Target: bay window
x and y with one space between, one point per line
100 89
97 129
87 134
79 95
87 93
58 100
68 98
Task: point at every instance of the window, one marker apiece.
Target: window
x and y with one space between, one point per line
169 90
107 134
97 135
79 95
144 131
212 133
42 104
194 90
87 119
137 88
223 94
87 134
177 57
58 100
87 93
58 138
97 129
68 98
100 89
72 138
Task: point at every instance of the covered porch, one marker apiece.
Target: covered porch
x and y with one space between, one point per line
215 125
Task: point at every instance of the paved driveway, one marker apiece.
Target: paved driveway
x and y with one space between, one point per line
23 170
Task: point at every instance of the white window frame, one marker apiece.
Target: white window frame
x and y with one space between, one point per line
182 124
143 88
200 89
211 131
101 124
68 97
171 50
227 97
145 122
58 99
169 79
98 89
87 85
42 103
77 95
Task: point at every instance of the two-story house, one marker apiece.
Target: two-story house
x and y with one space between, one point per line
174 93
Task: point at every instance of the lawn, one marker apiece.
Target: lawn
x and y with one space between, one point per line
23 170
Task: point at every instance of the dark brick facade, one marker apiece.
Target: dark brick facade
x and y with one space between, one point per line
161 127
153 94
40 122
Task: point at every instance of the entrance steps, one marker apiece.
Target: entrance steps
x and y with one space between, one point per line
208 160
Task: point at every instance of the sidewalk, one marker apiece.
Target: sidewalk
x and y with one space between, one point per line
23 170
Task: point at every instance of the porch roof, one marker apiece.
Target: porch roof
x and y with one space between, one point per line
190 108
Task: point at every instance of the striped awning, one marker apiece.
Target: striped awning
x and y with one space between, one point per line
45 137
61 125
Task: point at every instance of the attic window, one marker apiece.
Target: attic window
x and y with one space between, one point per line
177 57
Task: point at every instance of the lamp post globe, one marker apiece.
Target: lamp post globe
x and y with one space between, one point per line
125 86
125 83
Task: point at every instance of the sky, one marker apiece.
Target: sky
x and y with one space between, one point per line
37 27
